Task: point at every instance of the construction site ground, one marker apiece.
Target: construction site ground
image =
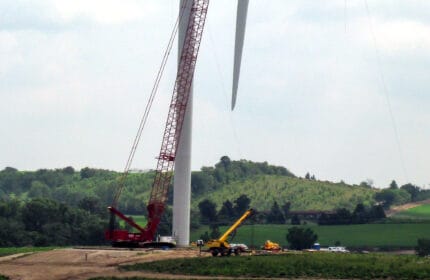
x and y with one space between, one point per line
85 263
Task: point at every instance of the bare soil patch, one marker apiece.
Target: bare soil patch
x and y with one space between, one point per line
86 263
404 207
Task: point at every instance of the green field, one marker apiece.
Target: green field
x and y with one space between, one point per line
139 219
367 235
421 212
5 251
314 265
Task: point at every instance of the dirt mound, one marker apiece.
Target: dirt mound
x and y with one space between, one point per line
83 263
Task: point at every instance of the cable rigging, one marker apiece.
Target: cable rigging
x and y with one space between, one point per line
148 107
386 93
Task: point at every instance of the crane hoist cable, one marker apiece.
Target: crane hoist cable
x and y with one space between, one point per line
171 136
145 115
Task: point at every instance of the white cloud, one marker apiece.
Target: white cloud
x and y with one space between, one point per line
75 76
103 11
404 35
8 56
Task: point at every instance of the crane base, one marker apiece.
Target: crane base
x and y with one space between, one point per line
132 244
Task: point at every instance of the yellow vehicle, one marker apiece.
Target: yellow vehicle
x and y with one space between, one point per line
221 246
271 246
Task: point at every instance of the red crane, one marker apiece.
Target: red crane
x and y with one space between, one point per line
171 137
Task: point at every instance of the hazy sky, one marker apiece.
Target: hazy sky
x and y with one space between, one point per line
319 80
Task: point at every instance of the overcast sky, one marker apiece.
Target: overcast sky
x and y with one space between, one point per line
330 87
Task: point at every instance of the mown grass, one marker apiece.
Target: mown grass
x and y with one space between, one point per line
421 212
5 251
316 265
367 235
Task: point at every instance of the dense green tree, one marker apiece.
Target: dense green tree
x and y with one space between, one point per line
286 209
205 237
68 170
201 182
39 189
195 219
295 220
275 215
225 162
9 209
376 213
11 232
38 212
413 190
423 247
208 212
215 233
241 204
300 238
226 214
365 184
393 185
92 205
390 197
10 180
360 215
87 172
343 216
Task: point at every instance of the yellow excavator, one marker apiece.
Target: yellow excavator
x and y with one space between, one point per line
220 246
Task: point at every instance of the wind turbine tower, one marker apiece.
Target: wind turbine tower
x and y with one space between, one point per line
182 176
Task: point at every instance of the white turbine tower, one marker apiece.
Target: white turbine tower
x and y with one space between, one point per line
182 177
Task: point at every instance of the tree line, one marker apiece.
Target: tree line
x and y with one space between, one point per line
45 222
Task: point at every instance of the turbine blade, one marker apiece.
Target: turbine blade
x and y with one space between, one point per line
242 10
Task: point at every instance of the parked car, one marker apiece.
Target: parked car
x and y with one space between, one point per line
241 246
338 249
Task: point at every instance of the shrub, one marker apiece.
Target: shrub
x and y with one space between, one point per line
423 247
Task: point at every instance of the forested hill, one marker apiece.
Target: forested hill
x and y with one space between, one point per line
261 182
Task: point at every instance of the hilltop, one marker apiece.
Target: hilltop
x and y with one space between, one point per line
303 194
261 182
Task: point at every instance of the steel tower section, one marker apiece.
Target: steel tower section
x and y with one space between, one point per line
182 176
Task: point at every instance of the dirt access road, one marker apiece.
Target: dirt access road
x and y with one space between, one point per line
404 207
86 263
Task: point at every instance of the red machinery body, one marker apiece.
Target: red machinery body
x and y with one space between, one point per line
171 136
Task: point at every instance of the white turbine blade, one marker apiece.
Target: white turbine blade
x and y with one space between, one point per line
242 10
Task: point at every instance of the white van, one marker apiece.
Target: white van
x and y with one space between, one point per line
338 249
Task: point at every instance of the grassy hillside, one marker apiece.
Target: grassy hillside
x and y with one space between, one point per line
302 193
366 235
261 182
421 212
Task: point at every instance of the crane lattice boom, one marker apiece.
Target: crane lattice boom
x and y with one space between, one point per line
173 128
